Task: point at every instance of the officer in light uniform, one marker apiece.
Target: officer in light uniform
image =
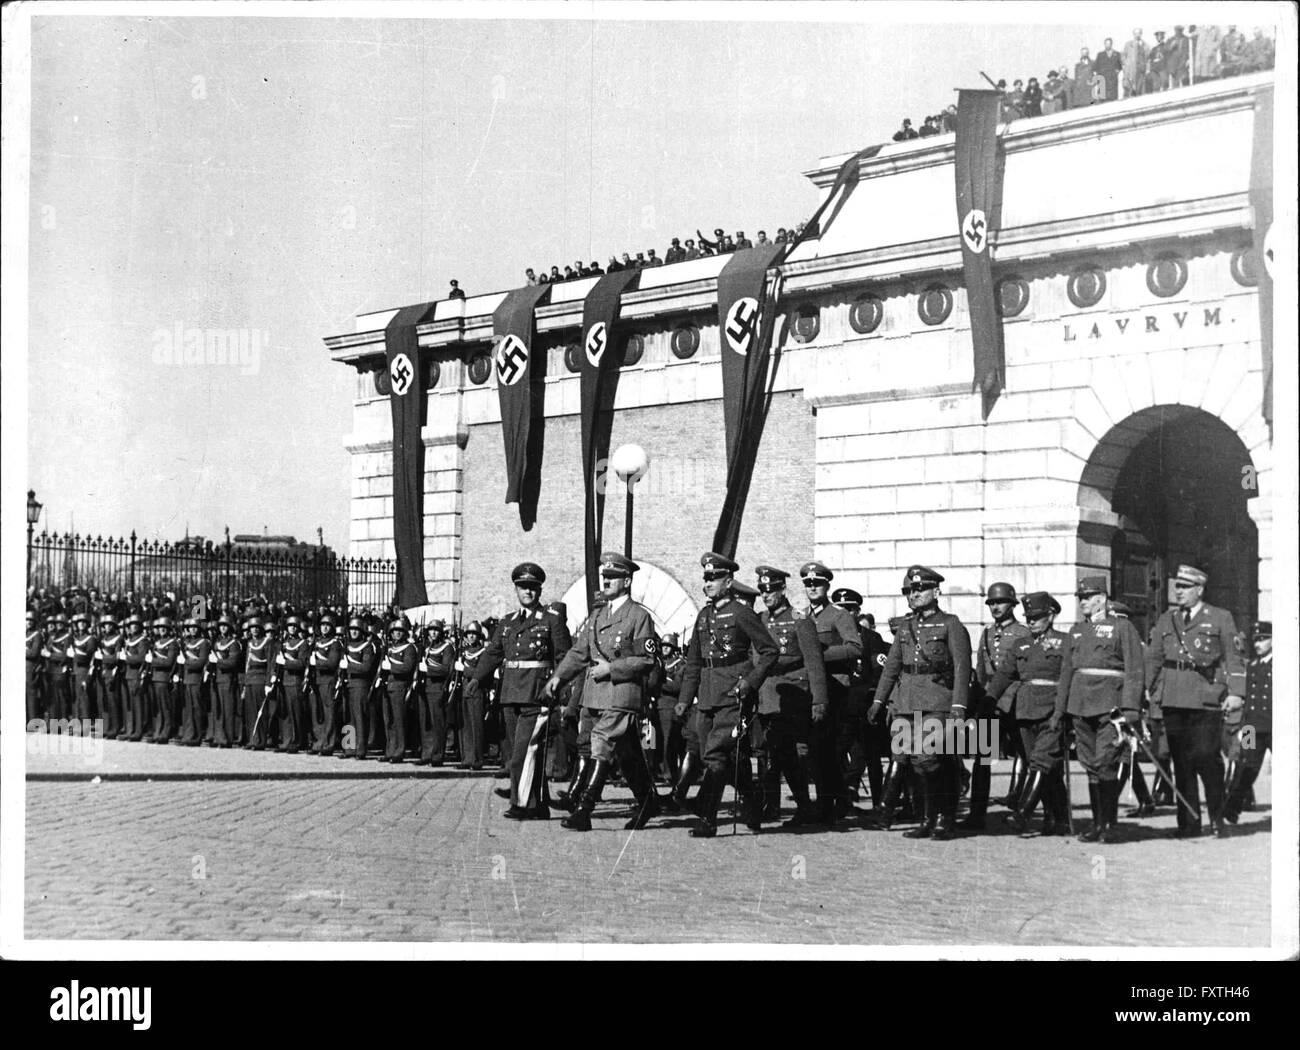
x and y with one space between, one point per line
615 651
224 659
1255 734
930 663
1194 670
1101 671
578 722
526 645
362 659
195 650
472 711
438 658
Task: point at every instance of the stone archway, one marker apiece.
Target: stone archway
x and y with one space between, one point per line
672 608
1166 485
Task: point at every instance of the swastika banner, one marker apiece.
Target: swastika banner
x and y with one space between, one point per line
1261 202
978 204
513 324
406 400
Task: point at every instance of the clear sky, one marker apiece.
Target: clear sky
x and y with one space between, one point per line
276 176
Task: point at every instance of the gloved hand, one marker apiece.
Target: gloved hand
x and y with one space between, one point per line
679 709
550 688
1233 704
819 713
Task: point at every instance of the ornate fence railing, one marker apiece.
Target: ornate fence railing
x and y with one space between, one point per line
225 571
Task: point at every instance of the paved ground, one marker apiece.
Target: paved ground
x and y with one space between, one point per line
429 858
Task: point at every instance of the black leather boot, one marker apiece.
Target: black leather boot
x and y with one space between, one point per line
1034 788
580 818
690 772
946 825
643 790
893 790
1093 832
1110 790
568 799
981 781
796 776
769 778
925 796
706 806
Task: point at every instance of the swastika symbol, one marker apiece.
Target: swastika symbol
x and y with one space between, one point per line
973 228
511 360
402 373
596 342
742 323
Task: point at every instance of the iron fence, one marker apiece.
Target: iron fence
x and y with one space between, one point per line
224 572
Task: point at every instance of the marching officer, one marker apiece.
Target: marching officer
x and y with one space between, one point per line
291 659
400 666
472 712
224 659
725 679
1101 671
34 667
526 645
362 660
439 657
259 684
930 663
841 642
165 665
135 652
326 659
671 745
1032 665
58 698
1193 669
997 641
616 648
1255 735
790 700
195 652
577 723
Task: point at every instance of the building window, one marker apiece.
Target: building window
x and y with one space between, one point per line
480 367
1166 275
1086 286
865 314
383 384
633 348
1013 296
935 304
571 359
686 340
1245 266
807 322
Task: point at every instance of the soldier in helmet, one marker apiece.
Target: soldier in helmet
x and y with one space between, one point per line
58 673
327 671
291 659
259 684
195 652
400 665
472 711
224 659
165 664
930 663
135 704
362 660
34 667
438 657
526 646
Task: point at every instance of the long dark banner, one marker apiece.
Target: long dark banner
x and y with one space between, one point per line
599 371
1261 201
513 325
406 399
977 203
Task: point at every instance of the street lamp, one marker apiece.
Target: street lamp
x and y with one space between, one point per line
630 462
33 516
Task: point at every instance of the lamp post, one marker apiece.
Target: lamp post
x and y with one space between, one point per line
33 515
630 462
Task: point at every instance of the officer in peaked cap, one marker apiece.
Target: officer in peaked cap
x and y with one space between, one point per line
864 744
670 742
997 641
1255 734
722 674
1101 671
787 700
526 645
841 643
617 648
1194 667
930 662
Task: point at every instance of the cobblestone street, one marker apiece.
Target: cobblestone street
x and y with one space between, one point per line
431 859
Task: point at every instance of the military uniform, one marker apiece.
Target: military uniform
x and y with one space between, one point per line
294 718
195 655
526 645
165 664
472 701
927 673
327 654
1101 671
362 656
861 745
438 660
110 680
259 683
401 663
135 652
228 654
34 668
58 672
1255 735
1192 666
670 744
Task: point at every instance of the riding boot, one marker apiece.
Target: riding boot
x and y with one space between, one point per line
946 825
569 799
1012 797
1142 793
1020 776
1052 796
580 818
1033 791
1110 790
690 771
925 794
1093 832
769 776
706 806
643 790
894 779
797 777
981 781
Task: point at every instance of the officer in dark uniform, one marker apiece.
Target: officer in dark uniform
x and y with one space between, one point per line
722 675
34 667
225 658
616 649
327 687
861 745
439 656
471 701
1193 668
83 647
195 650
1101 670
361 660
930 663
109 660
670 743
841 641
291 659
58 696
526 646
399 667
997 641
1032 665
259 684
165 665
1255 735
135 651
789 700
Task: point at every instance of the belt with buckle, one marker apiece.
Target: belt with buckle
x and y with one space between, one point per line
525 665
1183 665
725 661
1100 672
1042 681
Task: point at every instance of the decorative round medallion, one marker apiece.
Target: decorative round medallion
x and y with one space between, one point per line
934 304
573 358
1086 286
1245 266
1166 275
480 367
686 340
866 313
633 348
807 322
383 384
1013 296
